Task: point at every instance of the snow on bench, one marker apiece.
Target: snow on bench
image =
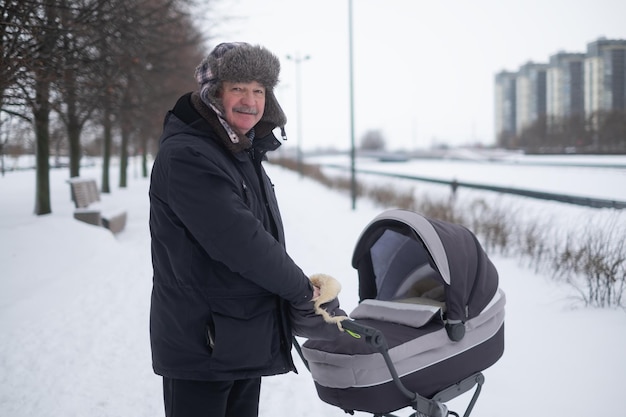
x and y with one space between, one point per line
89 209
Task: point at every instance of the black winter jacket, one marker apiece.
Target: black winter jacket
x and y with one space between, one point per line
222 278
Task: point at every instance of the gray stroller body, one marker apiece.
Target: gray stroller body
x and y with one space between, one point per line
431 312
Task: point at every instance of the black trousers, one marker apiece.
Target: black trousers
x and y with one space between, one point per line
184 398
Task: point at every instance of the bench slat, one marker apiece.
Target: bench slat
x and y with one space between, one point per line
84 192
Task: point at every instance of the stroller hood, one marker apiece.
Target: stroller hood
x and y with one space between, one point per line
402 254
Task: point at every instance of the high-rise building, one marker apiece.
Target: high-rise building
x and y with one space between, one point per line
568 92
605 75
530 95
565 95
505 108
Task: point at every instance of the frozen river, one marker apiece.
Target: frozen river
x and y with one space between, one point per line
592 176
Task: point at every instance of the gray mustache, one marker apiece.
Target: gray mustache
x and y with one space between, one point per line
246 110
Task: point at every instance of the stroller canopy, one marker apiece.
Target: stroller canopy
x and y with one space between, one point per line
402 255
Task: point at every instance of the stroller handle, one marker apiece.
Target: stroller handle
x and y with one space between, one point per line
372 336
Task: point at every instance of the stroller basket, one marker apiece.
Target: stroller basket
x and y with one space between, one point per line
431 314
424 407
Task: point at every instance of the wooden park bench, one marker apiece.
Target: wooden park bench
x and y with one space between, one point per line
89 209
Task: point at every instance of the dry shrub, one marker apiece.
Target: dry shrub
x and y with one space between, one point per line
595 265
442 209
388 196
493 223
533 244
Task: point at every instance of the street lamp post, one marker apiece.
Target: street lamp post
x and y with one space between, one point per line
298 60
352 150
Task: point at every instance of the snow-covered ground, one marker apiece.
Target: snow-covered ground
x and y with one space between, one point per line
74 304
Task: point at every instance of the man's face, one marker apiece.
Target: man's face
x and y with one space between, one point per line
243 104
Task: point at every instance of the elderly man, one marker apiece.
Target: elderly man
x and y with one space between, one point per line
226 296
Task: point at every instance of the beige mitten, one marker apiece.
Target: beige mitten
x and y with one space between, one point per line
329 290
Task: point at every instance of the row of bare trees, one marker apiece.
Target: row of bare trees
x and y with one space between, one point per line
601 132
114 66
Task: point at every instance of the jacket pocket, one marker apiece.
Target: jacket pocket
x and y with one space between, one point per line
243 333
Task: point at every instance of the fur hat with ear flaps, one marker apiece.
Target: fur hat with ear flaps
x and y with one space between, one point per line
242 62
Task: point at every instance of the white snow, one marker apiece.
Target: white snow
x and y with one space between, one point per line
74 304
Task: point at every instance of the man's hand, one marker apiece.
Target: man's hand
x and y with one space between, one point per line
316 293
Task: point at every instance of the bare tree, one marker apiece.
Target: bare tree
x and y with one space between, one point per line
170 73
373 140
38 27
155 71
610 131
533 137
78 81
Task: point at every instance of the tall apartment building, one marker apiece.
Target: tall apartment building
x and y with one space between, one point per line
565 90
570 84
605 75
530 103
505 108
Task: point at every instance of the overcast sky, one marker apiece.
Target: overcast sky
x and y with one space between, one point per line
423 70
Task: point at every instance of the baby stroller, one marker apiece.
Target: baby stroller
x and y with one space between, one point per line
429 320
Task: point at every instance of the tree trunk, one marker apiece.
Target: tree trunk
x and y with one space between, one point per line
106 150
125 127
144 156
73 124
124 155
73 135
41 116
43 74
